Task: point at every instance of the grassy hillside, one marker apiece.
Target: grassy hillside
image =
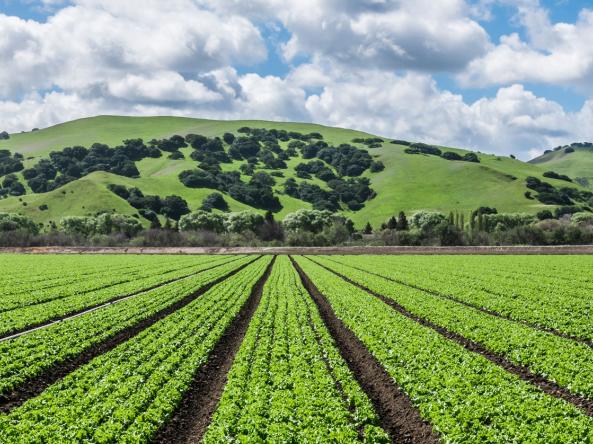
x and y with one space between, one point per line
576 165
408 182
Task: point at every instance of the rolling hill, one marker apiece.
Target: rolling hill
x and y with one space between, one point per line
576 161
408 182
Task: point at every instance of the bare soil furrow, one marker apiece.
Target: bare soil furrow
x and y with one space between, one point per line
38 384
549 387
192 416
396 412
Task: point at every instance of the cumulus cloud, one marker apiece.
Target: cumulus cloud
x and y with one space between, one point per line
514 121
93 43
368 64
559 53
387 34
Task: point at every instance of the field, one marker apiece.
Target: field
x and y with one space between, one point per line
408 182
296 348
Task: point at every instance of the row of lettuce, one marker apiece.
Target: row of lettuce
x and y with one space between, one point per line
32 309
28 356
130 391
567 362
289 375
466 397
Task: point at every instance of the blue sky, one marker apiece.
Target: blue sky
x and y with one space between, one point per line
497 75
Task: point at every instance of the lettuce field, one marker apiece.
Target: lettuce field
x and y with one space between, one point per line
296 349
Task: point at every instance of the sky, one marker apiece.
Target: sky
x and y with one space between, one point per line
501 76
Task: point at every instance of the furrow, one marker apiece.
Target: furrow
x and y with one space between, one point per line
525 374
38 384
193 414
397 414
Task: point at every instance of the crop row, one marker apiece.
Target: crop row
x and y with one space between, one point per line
102 279
29 355
521 300
22 273
466 397
568 363
288 382
130 391
21 318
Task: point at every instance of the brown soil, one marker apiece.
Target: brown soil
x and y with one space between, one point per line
552 331
549 387
38 384
399 250
396 413
90 308
192 416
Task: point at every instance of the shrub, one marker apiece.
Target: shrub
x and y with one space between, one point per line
307 220
10 222
426 220
243 221
554 175
202 220
582 218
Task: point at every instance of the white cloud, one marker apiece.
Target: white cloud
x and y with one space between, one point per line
560 53
387 34
94 43
369 66
515 121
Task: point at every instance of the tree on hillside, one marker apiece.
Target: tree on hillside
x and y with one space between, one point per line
4 135
174 207
402 221
368 228
392 223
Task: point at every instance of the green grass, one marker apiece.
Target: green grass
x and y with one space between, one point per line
578 164
409 182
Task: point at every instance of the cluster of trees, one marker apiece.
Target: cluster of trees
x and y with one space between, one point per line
550 195
214 201
72 163
352 192
103 224
257 147
554 175
11 186
10 163
423 148
370 142
570 148
485 226
150 206
261 147
15 222
257 193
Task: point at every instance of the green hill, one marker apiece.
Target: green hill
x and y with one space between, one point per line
408 182
576 161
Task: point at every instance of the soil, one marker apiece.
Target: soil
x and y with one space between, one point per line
192 416
395 410
549 387
38 384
